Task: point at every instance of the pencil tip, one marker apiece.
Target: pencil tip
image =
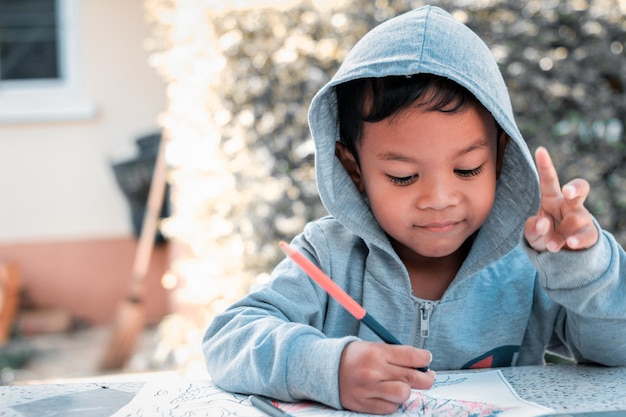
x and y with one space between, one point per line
285 247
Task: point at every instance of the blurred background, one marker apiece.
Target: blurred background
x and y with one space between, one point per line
90 89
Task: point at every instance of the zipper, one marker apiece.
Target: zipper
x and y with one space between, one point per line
425 311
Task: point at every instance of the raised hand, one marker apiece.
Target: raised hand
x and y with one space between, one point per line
376 378
562 221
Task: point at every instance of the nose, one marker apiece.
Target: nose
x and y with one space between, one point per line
437 193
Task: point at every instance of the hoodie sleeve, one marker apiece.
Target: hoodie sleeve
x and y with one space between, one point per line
590 286
271 342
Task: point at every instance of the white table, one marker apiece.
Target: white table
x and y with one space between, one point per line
564 388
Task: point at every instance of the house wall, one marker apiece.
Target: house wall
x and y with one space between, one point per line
63 218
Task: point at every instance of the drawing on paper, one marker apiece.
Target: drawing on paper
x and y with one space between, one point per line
424 405
447 380
454 395
419 405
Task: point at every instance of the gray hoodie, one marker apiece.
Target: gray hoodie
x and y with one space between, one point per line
507 303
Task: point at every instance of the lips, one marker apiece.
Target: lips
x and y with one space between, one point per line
441 227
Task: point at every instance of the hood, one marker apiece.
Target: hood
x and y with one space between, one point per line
427 40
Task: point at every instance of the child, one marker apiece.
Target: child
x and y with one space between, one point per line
439 226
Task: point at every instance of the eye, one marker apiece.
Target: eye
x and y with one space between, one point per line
402 180
468 173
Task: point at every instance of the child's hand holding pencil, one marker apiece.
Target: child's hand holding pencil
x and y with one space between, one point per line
377 378
373 377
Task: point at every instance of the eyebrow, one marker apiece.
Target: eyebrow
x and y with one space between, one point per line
394 156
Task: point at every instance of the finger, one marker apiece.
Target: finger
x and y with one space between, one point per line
541 236
375 403
575 193
556 243
409 356
375 406
409 367
418 379
383 398
537 232
579 231
548 177
583 240
395 392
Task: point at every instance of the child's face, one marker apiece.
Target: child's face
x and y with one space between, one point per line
430 177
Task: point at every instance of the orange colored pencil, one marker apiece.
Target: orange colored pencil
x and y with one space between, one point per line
340 295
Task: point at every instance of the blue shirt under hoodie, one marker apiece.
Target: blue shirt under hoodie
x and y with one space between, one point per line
507 303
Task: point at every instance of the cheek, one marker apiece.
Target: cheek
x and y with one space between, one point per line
382 198
482 197
390 205
389 215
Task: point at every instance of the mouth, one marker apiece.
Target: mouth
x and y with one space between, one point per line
439 227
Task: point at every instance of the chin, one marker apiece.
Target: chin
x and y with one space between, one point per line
433 251
436 254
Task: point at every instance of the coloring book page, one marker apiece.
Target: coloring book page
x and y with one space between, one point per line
464 394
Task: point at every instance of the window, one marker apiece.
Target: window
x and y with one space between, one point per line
40 74
30 44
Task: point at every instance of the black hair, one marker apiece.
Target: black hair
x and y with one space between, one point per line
375 99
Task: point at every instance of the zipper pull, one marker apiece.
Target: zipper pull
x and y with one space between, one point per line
426 310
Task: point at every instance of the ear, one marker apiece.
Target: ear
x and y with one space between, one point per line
503 140
350 164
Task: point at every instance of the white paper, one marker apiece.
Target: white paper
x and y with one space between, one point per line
465 394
